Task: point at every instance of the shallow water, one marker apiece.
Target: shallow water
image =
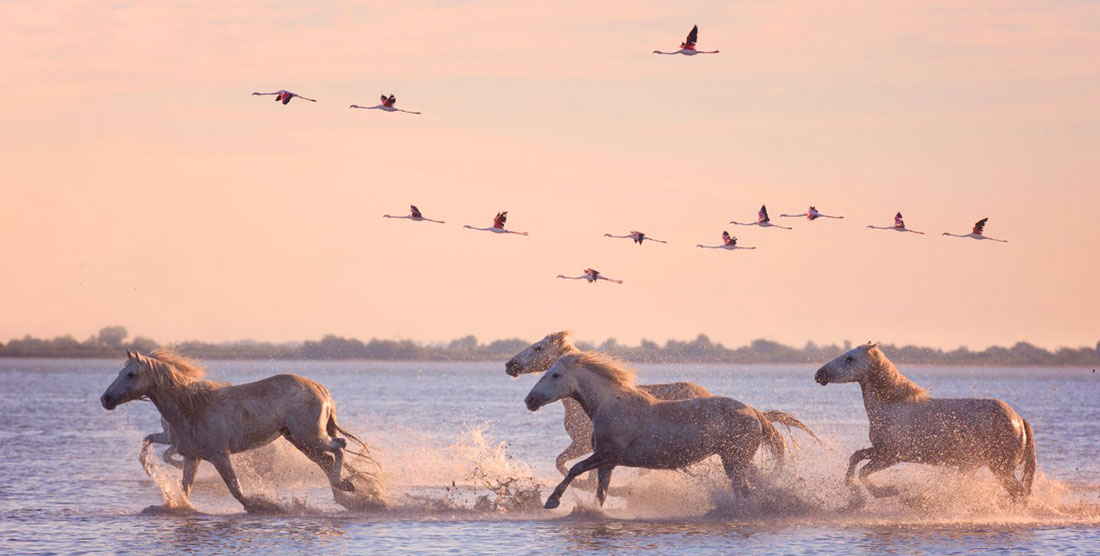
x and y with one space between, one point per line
72 482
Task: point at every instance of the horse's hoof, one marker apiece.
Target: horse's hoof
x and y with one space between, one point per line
552 503
346 485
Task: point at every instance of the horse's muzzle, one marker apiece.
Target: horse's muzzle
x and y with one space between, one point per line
533 404
821 377
107 403
511 368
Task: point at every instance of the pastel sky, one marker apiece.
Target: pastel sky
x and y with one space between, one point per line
143 185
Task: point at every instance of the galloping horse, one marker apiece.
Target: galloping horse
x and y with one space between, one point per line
908 425
540 355
635 429
209 421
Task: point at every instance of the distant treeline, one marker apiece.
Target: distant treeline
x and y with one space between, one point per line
112 341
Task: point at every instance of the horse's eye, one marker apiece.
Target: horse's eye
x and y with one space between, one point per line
555 375
131 374
849 359
538 348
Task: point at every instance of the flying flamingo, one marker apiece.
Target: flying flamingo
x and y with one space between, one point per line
729 243
638 237
762 220
284 96
899 226
976 233
387 105
414 215
498 225
810 215
687 48
591 275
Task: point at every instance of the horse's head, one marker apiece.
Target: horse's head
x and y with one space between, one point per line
558 382
540 355
132 382
852 366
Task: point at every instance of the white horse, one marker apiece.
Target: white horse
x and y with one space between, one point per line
908 425
635 429
540 355
209 421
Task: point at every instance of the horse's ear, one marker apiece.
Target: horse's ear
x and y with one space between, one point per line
872 345
129 354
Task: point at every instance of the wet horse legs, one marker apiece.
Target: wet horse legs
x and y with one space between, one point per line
595 461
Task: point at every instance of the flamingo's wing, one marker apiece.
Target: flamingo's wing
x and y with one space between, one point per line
979 226
591 272
390 101
500 219
415 212
693 37
287 96
763 214
898 222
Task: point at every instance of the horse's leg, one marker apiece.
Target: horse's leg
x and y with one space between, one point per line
857 456
579 428
318 453
167 457
574 451
254 505
739 471
596 460
190 469
604 474
877 463
1007 476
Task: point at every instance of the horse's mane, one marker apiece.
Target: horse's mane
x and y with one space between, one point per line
890 385
608 368
180 378
562 338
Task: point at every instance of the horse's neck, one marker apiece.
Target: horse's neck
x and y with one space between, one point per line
595 392
171 411
887 386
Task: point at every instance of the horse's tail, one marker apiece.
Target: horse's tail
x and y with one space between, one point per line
772 439
1030 460
789 421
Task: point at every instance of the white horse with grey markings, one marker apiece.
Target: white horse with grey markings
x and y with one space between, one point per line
209 420
908 425
632 428
542 354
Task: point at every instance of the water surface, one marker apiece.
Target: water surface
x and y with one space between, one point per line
72 482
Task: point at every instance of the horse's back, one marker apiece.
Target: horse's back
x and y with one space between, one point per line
278 390
675 391
716 411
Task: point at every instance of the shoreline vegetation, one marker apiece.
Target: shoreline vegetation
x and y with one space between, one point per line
113 341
